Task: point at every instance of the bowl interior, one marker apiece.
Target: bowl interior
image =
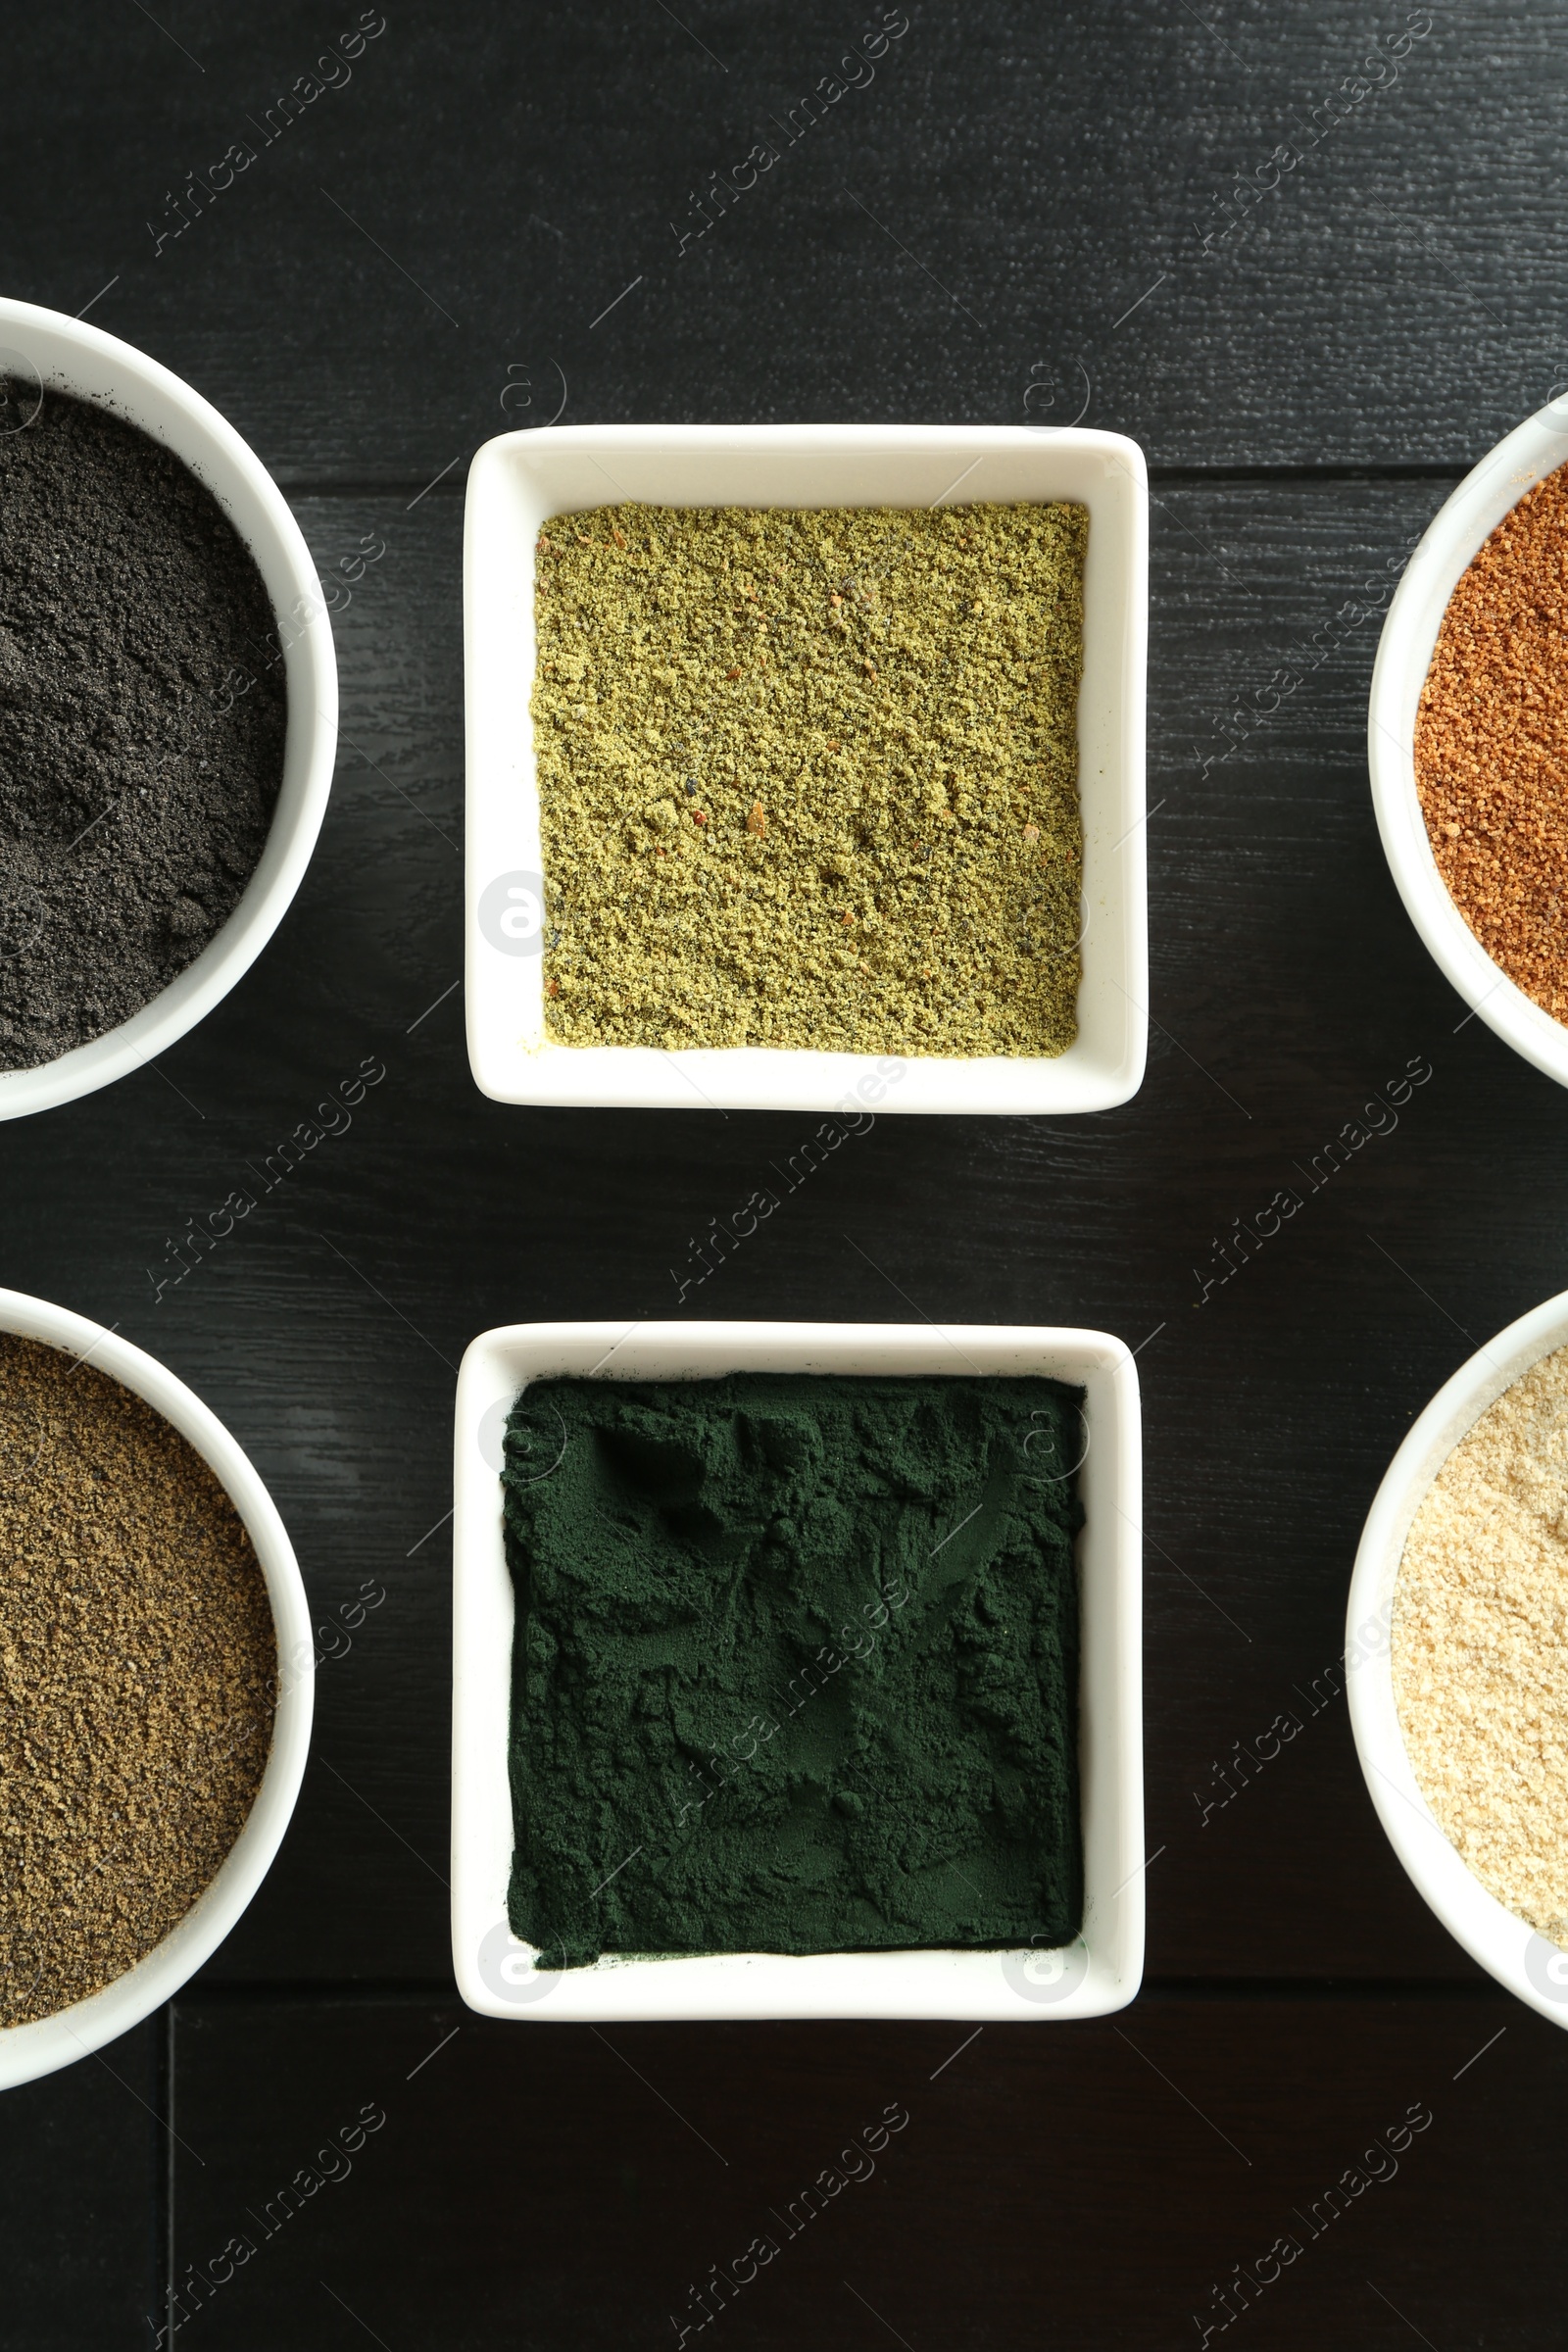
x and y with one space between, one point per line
74 358
1410 634
520 478
495 1972
1504 1945
27 2051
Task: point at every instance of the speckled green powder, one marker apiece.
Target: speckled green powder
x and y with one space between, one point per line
810 778
796 1664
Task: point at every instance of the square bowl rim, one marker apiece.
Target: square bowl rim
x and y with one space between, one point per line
500 812
1097 1973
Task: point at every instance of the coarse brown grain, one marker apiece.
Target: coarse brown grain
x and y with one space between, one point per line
137 1671
1492 746
1479 1648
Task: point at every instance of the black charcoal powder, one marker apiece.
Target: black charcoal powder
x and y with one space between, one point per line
142 720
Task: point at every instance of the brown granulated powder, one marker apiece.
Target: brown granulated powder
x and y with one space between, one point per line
137 1671
1479 1648
1492 746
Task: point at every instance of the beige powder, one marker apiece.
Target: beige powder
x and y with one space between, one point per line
1479 1648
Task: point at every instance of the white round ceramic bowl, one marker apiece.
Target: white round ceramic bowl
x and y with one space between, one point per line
1510 1950
69 356
27 2051
1454 536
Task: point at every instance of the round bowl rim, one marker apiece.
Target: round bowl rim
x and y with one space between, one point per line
228 467
30 2051
1456 533
1494 1936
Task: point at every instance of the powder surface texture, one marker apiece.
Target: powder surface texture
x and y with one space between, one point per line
137 1666
1479 1648
143 719
796 1664
1492 746
810 778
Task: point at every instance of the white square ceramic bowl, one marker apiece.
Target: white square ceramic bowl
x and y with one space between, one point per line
1100 1972
520 478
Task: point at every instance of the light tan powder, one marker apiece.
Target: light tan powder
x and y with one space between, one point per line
1479 1648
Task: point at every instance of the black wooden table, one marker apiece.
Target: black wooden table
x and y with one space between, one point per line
1016 213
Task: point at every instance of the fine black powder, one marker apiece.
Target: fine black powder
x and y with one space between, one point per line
142 719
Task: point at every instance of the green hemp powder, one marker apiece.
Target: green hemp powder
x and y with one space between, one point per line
796 1664
809 778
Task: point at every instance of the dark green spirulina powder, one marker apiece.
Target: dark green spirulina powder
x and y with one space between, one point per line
796 1664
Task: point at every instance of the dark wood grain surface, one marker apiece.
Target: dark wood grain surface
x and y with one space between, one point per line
1020 198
